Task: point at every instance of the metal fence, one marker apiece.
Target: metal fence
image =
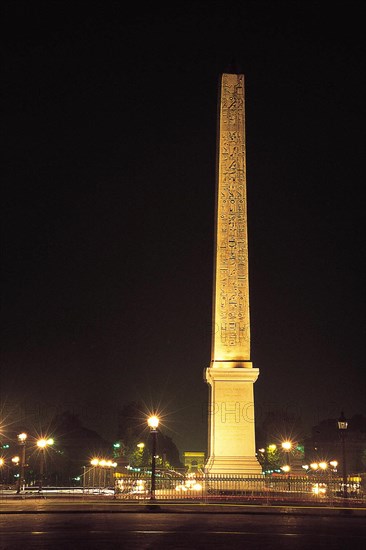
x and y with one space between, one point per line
326 490
229 488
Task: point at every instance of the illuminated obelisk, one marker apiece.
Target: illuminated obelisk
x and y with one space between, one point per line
231 375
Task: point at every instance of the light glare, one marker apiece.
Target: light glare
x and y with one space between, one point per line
153 422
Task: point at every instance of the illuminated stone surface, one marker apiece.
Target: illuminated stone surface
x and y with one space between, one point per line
231 374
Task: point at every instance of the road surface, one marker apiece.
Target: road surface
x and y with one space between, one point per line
179 531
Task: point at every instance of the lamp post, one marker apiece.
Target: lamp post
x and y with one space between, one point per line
42 444
15 460
342 427
153 423
94 462
21 482
287 446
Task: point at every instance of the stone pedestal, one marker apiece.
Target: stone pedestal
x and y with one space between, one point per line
231 421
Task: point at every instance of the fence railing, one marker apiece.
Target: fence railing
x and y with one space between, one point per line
255 489
325 490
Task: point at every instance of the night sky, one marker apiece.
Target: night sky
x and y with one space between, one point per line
109 127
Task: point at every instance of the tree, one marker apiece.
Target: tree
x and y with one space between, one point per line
75 445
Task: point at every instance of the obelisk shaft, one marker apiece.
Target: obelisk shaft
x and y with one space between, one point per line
231 335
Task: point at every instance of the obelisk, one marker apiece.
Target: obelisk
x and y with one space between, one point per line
231 375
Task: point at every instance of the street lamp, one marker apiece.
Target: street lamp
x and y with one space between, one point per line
153 423
342 427
334 465
42 444
15 460
21 482
287 446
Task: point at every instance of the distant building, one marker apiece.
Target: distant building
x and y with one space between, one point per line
325 443
194 461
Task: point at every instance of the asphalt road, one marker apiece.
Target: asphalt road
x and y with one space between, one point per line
178 531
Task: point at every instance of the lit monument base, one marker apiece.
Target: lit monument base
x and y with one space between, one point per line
232 427
244 466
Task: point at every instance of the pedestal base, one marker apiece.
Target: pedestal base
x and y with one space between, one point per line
231 421
243 466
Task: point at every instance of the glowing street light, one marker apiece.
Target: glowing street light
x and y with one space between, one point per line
153 423
22 437
103 463
42 444
286 446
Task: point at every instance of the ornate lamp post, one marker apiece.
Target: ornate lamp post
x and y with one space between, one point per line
42 444
342 427
153 423
287 446
15 460
21 440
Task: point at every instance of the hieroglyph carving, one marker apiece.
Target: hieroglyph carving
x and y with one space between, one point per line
232 334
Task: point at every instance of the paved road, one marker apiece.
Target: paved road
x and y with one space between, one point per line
179 531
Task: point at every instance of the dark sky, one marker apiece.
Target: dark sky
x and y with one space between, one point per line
109 126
